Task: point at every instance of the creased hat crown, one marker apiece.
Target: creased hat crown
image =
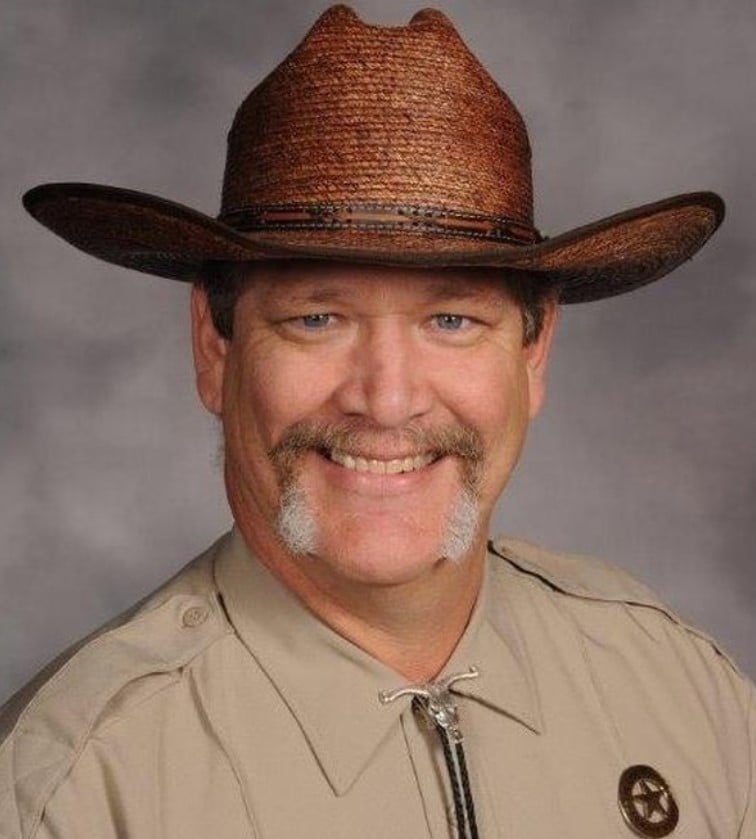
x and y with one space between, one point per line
395 116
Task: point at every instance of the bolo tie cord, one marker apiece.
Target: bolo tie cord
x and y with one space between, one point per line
437 704
464 806
469 803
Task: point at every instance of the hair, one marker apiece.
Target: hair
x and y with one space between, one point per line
223 282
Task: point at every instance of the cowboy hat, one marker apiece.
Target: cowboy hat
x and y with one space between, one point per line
386 145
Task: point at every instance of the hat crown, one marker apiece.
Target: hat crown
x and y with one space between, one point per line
388 116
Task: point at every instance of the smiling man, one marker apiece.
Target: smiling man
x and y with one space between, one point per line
372 315
413 397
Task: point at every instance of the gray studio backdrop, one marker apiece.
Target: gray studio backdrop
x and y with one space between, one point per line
645 451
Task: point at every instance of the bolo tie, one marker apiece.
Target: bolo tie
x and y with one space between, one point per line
438 705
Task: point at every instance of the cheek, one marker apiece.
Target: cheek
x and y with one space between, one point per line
269 392
494 400
492 397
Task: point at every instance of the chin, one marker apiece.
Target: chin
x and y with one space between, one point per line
380 559
397 551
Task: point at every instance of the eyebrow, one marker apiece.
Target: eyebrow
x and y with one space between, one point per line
294 293
457 290
322 294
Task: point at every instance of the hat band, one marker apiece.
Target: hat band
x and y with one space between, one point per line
412 218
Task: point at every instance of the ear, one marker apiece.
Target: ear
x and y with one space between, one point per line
210 350
538 357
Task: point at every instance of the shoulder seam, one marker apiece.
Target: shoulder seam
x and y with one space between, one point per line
80 728
533 570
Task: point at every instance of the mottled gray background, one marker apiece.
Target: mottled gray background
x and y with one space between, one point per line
645 451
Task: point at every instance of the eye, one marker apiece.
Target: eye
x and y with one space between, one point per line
316 321
451 323
311 327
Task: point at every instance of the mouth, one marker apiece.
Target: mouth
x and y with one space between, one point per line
377 466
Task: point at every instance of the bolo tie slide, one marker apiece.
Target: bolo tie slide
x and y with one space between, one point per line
438 706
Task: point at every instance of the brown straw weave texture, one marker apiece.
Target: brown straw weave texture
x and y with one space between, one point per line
360 115
380 144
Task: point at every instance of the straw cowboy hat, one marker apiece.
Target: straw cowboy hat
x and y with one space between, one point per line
387 145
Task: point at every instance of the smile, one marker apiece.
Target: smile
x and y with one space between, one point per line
381 467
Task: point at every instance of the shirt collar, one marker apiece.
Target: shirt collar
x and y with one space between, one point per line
331 686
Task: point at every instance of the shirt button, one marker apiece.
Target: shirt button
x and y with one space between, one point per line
194 616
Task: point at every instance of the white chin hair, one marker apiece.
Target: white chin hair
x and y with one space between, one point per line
296 524
461 528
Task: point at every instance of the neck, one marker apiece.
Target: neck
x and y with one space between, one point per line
413 628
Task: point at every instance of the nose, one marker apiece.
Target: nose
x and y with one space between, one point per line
386 380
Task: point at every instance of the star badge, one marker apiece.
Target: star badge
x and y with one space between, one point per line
646 802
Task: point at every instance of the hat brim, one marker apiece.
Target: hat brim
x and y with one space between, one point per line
150 234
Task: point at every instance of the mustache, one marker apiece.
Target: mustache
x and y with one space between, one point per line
453 440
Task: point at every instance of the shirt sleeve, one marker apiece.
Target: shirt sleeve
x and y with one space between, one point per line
748 828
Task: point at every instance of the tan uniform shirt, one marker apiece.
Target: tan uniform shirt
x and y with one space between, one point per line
223 709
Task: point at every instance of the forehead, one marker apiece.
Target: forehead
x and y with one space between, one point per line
324 282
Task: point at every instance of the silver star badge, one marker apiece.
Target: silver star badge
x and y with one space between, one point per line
646 802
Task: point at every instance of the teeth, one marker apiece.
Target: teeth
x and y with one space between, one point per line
380 467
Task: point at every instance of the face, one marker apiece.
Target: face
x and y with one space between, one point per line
371 415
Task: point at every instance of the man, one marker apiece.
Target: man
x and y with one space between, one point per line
372 317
